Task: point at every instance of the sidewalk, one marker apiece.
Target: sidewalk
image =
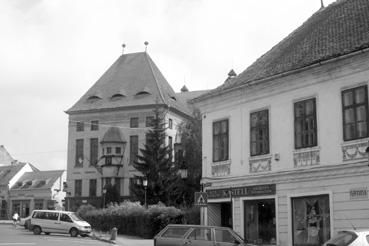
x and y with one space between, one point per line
6 222
122 240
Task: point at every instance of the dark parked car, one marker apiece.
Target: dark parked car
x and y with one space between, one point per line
195 235
349 238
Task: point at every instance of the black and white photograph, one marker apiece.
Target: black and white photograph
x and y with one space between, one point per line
184 122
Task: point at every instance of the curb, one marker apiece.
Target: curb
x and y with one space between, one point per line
102 239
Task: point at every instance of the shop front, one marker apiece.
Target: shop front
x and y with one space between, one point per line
250 210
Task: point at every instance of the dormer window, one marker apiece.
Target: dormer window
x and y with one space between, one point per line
117 96
93 98
142 93
40 184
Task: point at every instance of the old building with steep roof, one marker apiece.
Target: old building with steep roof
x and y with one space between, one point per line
285 157
108 124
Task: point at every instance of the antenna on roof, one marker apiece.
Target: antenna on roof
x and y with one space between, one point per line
123 46
321 4
146 44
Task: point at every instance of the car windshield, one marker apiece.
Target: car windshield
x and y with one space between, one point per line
343 238
75 217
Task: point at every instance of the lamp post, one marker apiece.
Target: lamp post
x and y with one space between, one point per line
183 172
104 193
144 182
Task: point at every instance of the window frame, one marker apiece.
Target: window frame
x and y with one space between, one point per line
132 154
265 143
149 122
133 123
354 106
94 155
170 124
305 134
94 125
79 152
78 187
92 189
224 150
80 126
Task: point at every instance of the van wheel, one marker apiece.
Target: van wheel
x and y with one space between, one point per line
73 232
36 230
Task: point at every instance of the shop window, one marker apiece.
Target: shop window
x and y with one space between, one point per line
305 124
259 132
220 140
355 113
310 220
260 223
39 204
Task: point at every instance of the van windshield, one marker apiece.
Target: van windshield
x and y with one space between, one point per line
75 217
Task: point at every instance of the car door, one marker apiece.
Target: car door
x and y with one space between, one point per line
172 236
199 236
66 223
53 221
224 237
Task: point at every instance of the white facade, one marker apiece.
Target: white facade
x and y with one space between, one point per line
334 169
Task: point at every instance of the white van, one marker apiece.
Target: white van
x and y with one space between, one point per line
53 221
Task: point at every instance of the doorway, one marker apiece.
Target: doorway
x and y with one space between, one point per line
226 214
260 222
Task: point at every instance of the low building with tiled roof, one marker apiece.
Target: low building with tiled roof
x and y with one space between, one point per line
108 124
38 190
285 142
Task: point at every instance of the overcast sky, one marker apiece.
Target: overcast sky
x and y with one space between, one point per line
52 51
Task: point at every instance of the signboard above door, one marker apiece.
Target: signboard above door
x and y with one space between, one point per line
255 190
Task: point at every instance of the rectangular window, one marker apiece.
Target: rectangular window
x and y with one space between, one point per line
94 125
134 122
78 187
170 124
118 150
80 126
259 133
310 220
117 185
108 150
79 153
149 121
94 151
220 140
355 113
133 145
92 188
305 124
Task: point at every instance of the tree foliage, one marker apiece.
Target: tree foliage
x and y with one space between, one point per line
154 163
191 159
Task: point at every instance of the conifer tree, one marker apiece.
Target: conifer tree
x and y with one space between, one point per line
154 164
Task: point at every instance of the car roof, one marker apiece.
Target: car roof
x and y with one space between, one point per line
52 211
198 226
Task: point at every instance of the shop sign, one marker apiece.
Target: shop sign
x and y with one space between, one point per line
255 190
359 193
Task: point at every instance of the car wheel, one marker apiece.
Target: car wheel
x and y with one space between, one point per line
73 232
36 230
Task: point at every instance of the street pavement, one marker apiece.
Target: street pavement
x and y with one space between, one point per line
11 236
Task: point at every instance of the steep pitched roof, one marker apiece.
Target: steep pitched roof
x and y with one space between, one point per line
8 172
339 29
5 157
113 135
133 80
41 179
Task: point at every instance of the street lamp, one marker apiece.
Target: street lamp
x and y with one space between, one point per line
144 182
104 193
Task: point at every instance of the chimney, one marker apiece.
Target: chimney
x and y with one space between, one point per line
184 89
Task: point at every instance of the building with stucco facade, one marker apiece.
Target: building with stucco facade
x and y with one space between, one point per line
285 142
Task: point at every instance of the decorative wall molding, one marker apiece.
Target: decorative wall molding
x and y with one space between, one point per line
258 165
221 168
354 150
306 157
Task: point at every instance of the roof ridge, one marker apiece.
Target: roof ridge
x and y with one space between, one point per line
156 80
